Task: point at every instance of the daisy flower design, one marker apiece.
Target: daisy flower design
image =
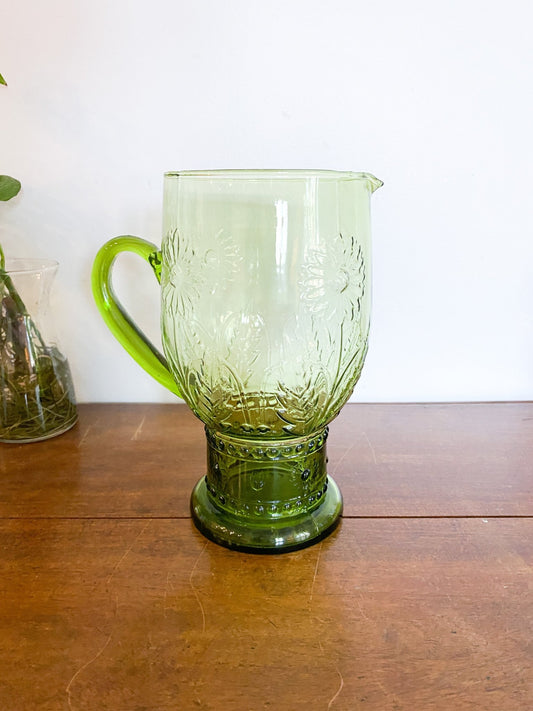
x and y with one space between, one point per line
181 278
190 272
332 282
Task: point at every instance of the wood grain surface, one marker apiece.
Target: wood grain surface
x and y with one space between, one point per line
389 460
421 600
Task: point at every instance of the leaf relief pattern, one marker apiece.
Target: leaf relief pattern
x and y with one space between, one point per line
332 292
246 375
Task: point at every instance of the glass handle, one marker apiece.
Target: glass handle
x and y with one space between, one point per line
118 321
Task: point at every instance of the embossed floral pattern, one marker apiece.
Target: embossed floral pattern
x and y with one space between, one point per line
220 346
181 280
333 279
189 272
332 291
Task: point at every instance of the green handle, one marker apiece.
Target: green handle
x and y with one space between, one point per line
119 323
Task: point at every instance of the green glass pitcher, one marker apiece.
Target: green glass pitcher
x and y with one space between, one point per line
265 308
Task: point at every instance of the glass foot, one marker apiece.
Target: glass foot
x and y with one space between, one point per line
255 534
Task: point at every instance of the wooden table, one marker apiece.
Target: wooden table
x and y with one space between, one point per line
422 600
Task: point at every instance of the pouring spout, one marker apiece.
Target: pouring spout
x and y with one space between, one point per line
373 182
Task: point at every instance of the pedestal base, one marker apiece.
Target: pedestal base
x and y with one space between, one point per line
247 533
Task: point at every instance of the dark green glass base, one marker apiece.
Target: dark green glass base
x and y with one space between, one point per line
247 533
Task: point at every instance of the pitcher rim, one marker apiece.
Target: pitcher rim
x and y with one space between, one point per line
273 173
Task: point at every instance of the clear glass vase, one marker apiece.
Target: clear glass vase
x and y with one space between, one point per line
37 398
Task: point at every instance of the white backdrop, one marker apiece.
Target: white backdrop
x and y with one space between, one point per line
436 99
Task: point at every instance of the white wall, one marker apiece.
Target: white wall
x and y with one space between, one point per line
434 98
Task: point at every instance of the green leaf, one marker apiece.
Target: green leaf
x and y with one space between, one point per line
9 187
2 80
